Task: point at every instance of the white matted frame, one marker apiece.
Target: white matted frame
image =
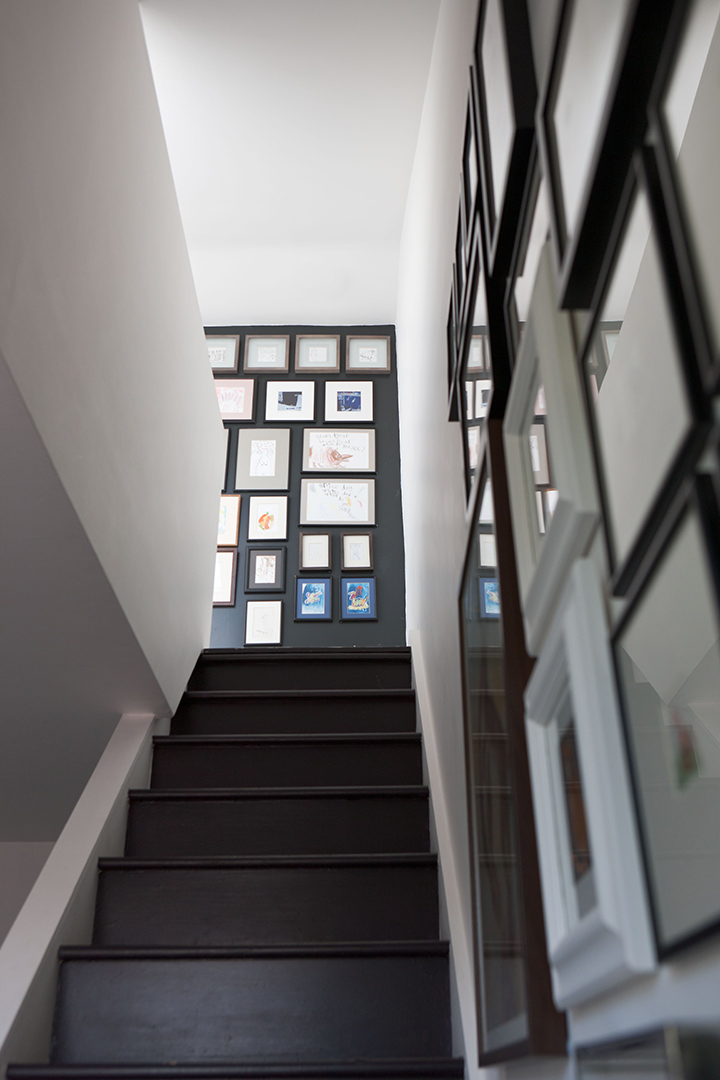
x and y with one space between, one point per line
547 358
346 450
267 517
337 502
229 521
290 401
317 352
348 402
263 622
263 456
225 578
367 354
223 352
608 940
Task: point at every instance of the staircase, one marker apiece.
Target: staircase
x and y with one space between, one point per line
276 911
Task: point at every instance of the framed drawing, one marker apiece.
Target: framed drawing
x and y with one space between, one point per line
357 599
356 551
347 450
367 354
265 570
229 522
224 580
341 502
317 353
264 353
235 398
597 918
483 393
348 402
267 518
489 598
223 352
290 400
263 622
471 161
315 551
548 450
263 456
313 598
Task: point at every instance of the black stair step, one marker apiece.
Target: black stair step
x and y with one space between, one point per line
243 1005
302 669
246 712
223 761
215 902
409 1069
293 821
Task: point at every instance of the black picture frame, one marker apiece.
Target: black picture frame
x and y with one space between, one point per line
322 589
252 585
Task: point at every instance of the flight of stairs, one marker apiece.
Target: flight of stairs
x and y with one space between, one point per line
276 912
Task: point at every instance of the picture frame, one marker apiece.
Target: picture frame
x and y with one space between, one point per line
357 599
364 353
471 159
337 502
356 551
597 917
264 352
229 521
267 517
315 551
265 570
290 402
547 359
235 398
343 450
262 459
223 352
483 393
348 402
313 599
489 598
317 353
263 622
225 578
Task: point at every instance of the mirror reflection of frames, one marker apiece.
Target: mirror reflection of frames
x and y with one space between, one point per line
580 864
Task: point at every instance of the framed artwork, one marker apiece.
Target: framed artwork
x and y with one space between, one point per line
346 450
223 352
315 551
224 580
263 457
341 502
367 354
265 353
356 551
263 622
265 570
229 521
471 161
235 398
313 598
487 552
476 355
483 393
357 599
489 598
317 353
290 401
267 517
348 402
597 919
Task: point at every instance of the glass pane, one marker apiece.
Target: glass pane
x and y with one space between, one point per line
581 883
477 380
538 234
498 100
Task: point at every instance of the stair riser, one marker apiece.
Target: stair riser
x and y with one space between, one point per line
266 905
293 716
308 673
318 826
299 1009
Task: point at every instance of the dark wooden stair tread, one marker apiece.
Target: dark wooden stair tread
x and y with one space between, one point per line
370 1069
205 862
90 953
377 791
410 738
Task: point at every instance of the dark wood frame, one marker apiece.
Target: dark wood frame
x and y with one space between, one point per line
317 370
452 354
233 586
268 337
348 569
238 496
226 337
252 555
327 581
301 565
358 618
352 372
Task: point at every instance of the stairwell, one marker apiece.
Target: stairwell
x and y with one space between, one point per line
276 910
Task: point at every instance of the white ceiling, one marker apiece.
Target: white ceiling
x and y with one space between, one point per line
291 127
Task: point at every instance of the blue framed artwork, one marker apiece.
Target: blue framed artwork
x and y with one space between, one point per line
489 598
357 600
312 598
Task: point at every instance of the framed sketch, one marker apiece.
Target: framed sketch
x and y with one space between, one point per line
267 517
229 521
313 598
367 354
235 398
265 570
223 352
356 551
337 502
263 456
317 353
483 393
597 917
224 580
290 401
265 353
347 450
315 551
489 598
348 402
263 622
487 553
551 533
357 599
